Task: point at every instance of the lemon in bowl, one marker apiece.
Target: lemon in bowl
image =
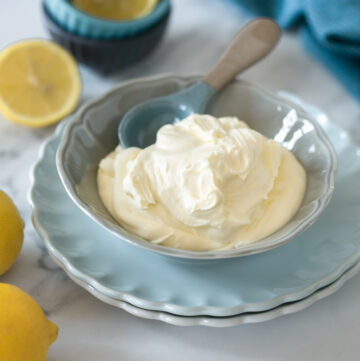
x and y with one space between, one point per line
106 56
111 19
116 9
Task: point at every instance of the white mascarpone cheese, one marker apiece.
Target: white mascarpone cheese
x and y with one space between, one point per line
207 183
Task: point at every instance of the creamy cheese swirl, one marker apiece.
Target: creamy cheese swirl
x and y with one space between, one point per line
207 183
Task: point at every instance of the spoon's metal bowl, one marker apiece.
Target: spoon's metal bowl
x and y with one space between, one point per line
92 134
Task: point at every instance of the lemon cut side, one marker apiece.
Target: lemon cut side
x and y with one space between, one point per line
39 83
117 9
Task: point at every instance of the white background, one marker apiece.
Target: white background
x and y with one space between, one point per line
93 331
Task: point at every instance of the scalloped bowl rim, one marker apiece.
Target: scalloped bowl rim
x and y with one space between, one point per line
160 9
100 42
249 249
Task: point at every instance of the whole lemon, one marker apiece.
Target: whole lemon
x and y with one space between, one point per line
25 332
11 232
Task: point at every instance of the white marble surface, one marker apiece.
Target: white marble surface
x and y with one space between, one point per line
91 330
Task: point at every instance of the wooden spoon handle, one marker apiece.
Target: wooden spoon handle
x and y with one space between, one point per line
250 45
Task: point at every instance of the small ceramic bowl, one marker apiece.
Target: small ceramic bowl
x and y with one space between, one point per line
107 56
92 134
79 23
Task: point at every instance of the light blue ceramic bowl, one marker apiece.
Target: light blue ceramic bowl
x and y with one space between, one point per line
79 23
92 134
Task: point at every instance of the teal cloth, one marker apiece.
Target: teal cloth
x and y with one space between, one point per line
330 30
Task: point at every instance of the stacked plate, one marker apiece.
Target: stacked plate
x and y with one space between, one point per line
218 293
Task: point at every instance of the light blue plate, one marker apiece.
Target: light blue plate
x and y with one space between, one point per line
217 288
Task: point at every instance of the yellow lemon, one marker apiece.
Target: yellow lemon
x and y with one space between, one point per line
117 9
11 233
39 83
25 332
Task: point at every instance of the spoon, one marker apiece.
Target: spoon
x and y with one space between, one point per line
140 124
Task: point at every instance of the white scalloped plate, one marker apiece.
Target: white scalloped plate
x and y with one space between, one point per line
118 271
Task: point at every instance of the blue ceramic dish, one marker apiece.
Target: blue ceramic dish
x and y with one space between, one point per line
107 56
92 134
79 23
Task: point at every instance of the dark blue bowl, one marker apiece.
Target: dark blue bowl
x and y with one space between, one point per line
107 56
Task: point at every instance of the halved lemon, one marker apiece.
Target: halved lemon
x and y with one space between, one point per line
39 83
116 9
